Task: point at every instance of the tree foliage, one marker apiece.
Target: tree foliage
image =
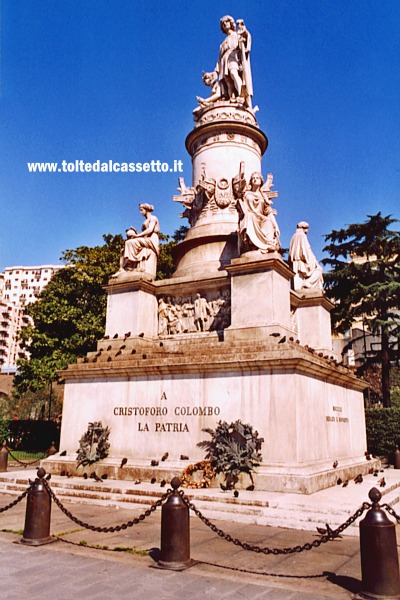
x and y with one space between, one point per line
364 281
69 315
166 262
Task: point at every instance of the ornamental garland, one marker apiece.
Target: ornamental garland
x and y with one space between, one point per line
233 449
93 445
208 475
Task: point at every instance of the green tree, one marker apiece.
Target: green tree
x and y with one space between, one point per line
166 262
364 281
69 315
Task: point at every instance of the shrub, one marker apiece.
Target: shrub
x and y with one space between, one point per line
383 430
4 430
30 435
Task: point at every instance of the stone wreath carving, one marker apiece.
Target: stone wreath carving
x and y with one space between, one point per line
234 449
93 445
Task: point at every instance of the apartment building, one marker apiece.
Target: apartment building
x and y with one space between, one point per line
19 286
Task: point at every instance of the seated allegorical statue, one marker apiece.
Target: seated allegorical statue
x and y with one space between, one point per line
308 272
141 249
258 229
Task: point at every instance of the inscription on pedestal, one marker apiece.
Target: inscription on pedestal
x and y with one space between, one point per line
336 419
165 426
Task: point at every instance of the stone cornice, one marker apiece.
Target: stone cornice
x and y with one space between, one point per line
246 266
307 299
218 127
291 360
127 283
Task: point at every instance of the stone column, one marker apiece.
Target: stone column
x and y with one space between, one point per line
224 137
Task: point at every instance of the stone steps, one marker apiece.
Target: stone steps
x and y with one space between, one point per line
333 505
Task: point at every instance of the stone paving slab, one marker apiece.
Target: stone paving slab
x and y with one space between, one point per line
70 571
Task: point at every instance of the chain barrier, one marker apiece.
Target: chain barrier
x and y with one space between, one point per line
111 529
391 512
332 534
14 502
24 464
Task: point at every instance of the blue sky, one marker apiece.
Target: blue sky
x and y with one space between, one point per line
118 80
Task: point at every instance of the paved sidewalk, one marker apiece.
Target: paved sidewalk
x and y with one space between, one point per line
71 569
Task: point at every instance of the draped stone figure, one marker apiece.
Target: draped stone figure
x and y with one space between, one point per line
141 249
258 228
308 272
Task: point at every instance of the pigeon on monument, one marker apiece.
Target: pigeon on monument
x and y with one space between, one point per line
123 462
358 478
63 453
165 456
335 464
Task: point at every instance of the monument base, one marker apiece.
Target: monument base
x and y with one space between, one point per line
296 479
158 397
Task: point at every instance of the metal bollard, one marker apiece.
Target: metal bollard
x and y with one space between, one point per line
3 458
379 558
396 458
37 516
175 533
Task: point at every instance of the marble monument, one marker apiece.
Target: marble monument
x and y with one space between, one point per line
236 333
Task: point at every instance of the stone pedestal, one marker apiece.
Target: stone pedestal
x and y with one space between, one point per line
260 292
131 306
311 316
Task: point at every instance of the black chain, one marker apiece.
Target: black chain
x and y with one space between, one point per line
246 546
25 464
134 521
14 502
391 511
